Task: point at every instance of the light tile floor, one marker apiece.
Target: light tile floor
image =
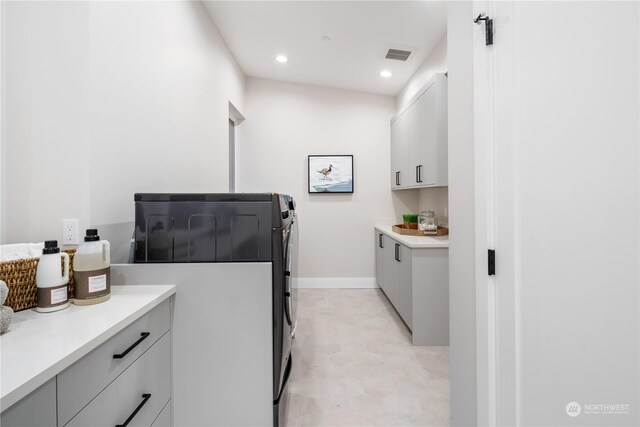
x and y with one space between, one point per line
354 365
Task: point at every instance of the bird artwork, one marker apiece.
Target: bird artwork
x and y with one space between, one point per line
326 171
330 174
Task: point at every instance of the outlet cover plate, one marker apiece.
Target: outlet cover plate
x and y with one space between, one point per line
70 232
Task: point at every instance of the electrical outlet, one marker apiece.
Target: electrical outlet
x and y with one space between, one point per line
70 232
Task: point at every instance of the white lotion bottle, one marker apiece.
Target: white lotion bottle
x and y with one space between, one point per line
51 282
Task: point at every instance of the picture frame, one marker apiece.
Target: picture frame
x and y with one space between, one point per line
330 174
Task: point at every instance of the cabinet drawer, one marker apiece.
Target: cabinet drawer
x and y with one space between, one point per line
149 375
80 383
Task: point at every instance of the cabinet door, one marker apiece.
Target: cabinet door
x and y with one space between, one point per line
430 296
410 172
390 266
404 293
399 149
380 258
423 129
36 410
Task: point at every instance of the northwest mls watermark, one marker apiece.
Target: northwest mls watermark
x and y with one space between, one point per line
574 409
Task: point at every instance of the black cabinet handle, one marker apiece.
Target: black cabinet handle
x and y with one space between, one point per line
419 173
380 240
398 178
143 336
397 252
145 398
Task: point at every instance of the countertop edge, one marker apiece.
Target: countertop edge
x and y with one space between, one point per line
431 244
14 396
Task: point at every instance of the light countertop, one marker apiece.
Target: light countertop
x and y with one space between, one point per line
415 242
38 346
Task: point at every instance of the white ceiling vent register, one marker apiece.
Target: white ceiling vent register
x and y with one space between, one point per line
398 54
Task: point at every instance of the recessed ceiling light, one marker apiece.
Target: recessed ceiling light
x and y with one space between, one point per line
281 58
385 73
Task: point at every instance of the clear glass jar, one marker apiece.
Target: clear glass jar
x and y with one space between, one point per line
428 222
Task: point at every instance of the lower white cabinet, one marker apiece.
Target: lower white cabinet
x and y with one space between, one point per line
164 419
416 282
137 396
36 410
124 381
85 379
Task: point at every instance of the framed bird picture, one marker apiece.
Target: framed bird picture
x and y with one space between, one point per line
330 174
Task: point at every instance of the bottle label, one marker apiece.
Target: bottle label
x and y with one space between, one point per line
92 284
50 297
97 283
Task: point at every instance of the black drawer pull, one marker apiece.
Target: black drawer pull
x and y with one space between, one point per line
397 252
143 336
145 397
380 240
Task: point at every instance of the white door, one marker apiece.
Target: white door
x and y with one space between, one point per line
557 161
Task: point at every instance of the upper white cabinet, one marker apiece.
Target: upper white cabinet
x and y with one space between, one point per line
419 139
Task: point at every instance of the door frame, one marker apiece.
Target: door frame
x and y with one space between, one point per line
484 225
235 118
496 151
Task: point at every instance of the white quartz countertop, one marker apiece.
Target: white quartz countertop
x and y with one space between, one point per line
415 242
38 346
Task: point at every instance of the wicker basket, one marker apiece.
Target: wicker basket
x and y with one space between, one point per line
20 276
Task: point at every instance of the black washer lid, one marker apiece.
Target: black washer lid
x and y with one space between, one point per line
50 247
92 235
203 197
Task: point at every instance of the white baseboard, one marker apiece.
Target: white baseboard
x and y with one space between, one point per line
337 283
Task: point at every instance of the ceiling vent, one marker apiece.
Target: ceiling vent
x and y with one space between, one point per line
400 55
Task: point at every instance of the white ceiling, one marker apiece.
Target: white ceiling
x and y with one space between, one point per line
361 32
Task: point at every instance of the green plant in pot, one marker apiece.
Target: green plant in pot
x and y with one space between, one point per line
410 221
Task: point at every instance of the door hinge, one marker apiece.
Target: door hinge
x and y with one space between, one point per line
492 262
488 28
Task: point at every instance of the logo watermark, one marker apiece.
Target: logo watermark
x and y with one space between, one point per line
574 409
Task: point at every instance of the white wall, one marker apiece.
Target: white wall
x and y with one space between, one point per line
105 99
45 134
435 199
435 62
461 195
287 122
